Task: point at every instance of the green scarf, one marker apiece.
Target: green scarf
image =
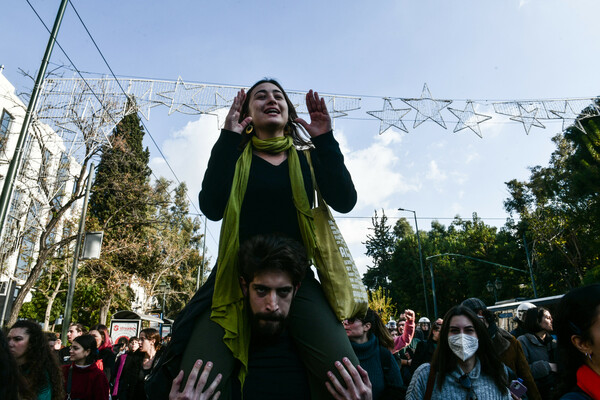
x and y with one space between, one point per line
228 299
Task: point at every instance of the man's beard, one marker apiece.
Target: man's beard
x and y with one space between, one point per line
266 326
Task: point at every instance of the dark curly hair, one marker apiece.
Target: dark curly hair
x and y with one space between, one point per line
272 252
292 128
444 361
13 385
41 368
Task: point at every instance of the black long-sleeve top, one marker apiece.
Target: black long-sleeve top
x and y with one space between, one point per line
268 205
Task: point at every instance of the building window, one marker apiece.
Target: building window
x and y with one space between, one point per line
5 123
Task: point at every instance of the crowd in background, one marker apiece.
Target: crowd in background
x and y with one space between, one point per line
467 355
34 364
464 355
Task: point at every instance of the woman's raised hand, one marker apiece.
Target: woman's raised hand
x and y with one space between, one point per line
233 116
320 121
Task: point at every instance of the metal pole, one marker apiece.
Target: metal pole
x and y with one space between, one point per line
530 268
201 266
421 261
435 310
15 163
162 313
71 291
9 295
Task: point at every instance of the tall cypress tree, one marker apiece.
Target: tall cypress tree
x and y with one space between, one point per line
121 189
121 206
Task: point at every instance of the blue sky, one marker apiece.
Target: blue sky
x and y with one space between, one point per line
479 50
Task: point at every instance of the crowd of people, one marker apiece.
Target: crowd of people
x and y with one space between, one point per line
261 326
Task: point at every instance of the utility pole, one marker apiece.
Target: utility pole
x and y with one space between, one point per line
71 291
421 261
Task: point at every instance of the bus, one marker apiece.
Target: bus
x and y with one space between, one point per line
506 310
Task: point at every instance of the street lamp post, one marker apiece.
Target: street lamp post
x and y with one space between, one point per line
420 259
494 287
164 286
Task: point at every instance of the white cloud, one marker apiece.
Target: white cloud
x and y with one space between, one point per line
459 177
523 3
471 157
374 170
434 173
188 151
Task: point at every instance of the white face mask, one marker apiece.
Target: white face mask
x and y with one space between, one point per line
464 346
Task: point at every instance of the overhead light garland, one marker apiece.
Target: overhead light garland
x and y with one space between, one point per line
198 98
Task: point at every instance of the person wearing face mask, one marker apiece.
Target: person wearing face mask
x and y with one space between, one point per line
464 365
506 345
540 349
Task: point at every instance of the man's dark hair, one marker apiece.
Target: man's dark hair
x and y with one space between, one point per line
263 253
78 327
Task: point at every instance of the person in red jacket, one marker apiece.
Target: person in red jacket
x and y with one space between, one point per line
83 379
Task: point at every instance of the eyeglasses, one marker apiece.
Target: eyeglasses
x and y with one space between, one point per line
465 382
350 321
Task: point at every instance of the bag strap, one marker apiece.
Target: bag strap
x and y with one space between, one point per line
69 381
319 198
430 383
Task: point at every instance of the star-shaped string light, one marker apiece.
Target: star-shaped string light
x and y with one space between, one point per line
468 118
390 116
428 108
527 118
571 117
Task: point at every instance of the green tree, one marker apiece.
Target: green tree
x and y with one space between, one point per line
121 205
559 209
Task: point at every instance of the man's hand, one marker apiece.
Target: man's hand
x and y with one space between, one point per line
195 393
410 315
58 344
358 385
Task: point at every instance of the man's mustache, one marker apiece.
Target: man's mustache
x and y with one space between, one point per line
275 317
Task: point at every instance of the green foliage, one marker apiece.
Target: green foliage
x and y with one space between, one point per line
381 303
555 223
559 209
456 278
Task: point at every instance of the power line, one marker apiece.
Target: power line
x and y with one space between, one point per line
98 99
143 124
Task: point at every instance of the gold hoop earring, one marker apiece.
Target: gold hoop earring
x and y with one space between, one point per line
288 129
249 129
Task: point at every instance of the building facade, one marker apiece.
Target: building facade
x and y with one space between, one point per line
44 183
